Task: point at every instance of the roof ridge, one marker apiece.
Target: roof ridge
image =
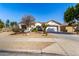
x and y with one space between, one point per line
55 21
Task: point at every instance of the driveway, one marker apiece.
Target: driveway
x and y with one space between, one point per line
66 36
69 43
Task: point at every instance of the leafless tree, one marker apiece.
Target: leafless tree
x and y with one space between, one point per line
27 20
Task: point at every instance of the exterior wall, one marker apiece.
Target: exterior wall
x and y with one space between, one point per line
38 24
63 28
32 26
58 28
70 29
55 28
20 26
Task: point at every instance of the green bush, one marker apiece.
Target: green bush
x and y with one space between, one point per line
1 24
35 30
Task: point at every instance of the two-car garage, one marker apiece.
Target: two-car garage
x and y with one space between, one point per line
51 29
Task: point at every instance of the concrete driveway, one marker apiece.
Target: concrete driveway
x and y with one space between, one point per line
69 43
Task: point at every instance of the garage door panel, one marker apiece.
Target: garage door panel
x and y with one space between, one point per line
51 29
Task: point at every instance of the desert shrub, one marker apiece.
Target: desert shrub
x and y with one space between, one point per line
6 29
35 30
15 29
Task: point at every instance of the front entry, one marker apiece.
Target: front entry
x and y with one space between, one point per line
23 26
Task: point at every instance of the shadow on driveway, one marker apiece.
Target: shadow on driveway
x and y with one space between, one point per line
61 33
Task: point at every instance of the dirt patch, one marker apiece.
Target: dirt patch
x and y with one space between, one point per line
32 35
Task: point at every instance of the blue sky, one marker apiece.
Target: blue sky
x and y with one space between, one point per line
41 11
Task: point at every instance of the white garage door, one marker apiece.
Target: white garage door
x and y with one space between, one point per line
51 29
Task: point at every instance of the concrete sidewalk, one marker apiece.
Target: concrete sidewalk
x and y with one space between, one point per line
54 48
71 47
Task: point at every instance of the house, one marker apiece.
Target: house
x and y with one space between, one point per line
23 26
53 26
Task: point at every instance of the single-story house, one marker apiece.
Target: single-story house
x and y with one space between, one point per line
53 26
67 28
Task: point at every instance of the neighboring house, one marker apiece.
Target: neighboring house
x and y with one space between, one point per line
33 25
67 28
22 25
53 26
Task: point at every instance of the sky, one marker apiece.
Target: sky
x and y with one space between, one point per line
42 12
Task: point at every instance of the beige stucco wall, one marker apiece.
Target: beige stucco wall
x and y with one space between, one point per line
70 29
20 26
38 24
